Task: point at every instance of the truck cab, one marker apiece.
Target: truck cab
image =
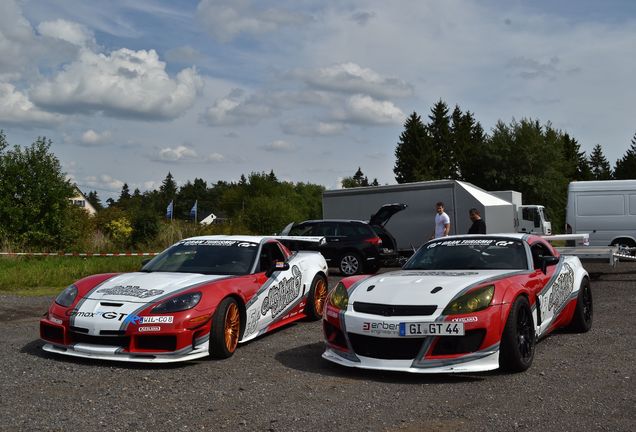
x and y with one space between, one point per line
533 219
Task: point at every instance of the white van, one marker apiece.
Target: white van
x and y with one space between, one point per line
605 209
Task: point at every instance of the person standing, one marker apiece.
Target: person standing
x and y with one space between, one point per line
478 226
442 222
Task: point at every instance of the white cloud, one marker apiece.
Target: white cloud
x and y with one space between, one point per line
237 109
366 110
124 84
17 39
16 108
68 31
352 78
227 20
92 138
215 157
103 181
179 153
312 128
279 146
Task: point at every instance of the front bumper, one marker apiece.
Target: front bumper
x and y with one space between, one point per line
173 345
370 341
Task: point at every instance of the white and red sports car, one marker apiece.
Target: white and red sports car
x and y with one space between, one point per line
201 296
460 304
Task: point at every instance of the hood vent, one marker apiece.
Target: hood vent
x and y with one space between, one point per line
111 304
436 289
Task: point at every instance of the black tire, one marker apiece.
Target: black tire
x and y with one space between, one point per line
516 350
584 312
226 329
317 297
350 264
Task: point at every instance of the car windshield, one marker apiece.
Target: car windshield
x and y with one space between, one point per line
470 253
218 257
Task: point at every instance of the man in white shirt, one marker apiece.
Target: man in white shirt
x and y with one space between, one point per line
442 222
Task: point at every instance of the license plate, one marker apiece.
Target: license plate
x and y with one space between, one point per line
431 329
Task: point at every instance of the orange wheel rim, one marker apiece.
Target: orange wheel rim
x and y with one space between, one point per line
320 295
232 327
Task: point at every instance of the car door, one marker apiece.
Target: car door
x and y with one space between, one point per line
278 294
545 286
333 244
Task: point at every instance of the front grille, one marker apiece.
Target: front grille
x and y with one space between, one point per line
156 343
119 341
112 332
393 310
470 342
386 348
51 333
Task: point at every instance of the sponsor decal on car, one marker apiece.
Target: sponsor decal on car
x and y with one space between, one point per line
465 319
561 288
55 320
130 290
226 243
150 329
119 316
281 295
381 327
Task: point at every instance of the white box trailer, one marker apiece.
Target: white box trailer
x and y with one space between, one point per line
413 226
605 209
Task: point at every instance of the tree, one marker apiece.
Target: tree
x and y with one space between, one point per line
358 180
599 164
168 188
93 198
625 167
34 196
124 195
439 131
576 166
414 156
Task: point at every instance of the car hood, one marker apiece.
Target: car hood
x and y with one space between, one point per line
415 287
146 287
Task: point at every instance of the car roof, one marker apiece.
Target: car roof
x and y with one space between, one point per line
239 238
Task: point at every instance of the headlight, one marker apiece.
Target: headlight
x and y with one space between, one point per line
178 303
472 301
339 297
67 297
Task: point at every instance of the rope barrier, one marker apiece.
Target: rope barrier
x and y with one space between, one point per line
80 254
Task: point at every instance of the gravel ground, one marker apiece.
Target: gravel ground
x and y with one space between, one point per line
578 382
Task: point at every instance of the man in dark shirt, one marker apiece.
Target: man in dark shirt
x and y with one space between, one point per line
478 226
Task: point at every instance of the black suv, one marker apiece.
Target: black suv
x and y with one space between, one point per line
351 245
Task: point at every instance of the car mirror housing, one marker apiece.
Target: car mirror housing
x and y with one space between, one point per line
548 261
277 266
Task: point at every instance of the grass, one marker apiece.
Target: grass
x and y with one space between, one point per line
37 276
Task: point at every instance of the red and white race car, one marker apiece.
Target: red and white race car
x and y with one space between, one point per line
460 304
201 296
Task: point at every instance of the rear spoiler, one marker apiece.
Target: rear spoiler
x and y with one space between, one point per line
297 243
583 239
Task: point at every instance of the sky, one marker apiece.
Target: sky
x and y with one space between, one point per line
312 89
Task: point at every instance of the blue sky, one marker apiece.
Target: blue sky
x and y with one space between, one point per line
213 89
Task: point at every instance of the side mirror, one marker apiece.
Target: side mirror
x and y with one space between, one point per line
548 261
277 266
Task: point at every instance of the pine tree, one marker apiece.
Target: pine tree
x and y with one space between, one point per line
599 164
358 180
124 195
441 140
576 165
625 167
93 198
413 155
168 188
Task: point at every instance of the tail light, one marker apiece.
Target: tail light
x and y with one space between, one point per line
377 241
